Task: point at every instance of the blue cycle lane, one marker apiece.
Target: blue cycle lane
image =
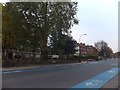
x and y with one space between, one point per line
98 81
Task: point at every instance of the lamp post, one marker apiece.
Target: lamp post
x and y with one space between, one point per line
80 46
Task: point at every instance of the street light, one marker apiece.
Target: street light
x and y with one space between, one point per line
79 46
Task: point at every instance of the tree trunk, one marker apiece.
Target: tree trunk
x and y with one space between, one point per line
44 55
44 52
33 56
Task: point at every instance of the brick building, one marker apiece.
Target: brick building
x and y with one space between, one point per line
91 50
87 49
82 49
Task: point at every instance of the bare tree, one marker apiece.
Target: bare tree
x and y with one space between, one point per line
103 49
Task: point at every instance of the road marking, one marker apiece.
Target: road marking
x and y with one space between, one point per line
17 71
37 69
114 64
26 70
99 80
6 72
93 62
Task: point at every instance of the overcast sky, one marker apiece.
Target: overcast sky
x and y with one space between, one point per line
99 20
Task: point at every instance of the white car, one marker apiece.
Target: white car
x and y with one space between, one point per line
54 56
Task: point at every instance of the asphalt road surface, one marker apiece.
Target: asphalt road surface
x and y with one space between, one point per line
63 76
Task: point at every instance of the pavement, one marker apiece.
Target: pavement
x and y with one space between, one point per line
113 83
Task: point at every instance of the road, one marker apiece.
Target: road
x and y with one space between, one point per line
64 76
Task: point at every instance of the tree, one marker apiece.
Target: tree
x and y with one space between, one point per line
0 25
103 49
62 44
116 55
15 33
49 16
70 46
100 45
11 26
57 43
0 18
36 22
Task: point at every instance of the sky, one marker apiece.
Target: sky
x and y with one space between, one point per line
99 21
2 1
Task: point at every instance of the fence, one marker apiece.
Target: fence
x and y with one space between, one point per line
21 58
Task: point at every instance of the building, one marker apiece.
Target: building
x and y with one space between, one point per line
91 50
77 50
87 49
82 49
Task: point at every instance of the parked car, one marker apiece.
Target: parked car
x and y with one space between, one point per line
53 58
89 59
100 58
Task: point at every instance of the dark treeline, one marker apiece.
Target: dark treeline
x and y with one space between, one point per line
38 26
